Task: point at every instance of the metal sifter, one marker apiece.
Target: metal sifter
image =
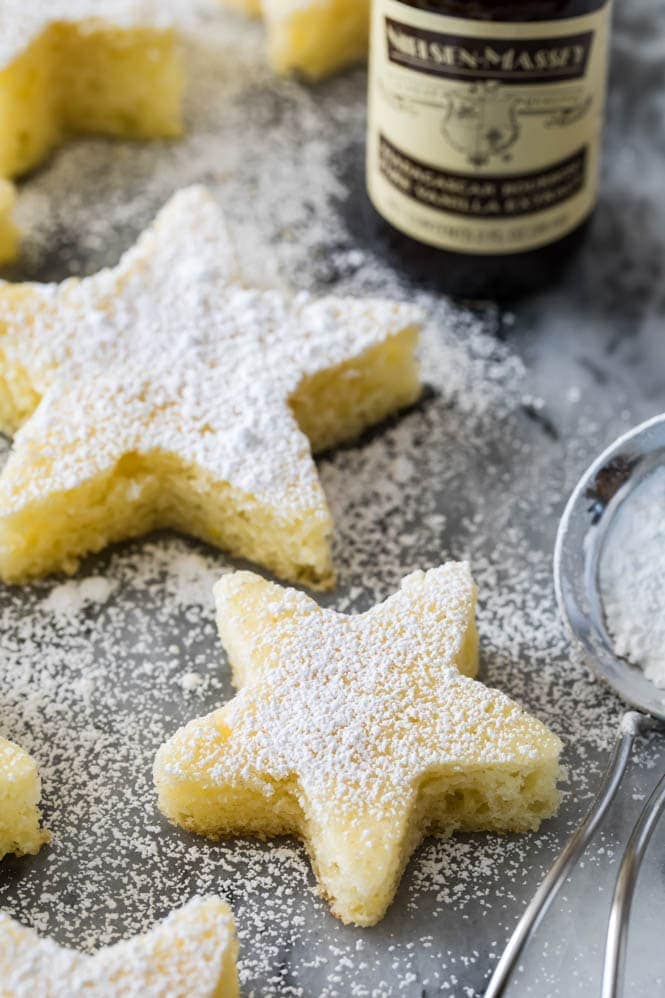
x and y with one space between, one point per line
603 489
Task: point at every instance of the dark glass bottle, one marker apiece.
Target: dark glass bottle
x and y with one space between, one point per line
484 133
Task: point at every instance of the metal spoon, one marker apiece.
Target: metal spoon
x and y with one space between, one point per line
584 527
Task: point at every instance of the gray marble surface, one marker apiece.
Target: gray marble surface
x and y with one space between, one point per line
518 403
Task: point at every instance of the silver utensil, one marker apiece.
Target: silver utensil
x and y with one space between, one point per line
583 530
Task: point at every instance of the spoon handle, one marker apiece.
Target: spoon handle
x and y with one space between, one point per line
632 723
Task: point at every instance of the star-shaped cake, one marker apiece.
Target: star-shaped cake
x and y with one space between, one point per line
191 954
361 734
20 791
312 37
164 393
81 66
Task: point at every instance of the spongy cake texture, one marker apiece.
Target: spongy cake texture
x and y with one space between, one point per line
163 393
192 954
20 791
360 733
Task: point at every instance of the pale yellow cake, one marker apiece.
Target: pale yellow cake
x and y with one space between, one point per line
163 393
20 792
312 37
76 66
316 37
191 954
361 734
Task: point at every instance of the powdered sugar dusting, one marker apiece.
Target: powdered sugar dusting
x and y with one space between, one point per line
632 577
191 578
517 406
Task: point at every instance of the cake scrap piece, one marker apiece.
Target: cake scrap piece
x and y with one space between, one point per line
316 37
20 792
191 954
162 393
77 66
361 734
312 37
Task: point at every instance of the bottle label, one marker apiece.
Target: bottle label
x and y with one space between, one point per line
484 136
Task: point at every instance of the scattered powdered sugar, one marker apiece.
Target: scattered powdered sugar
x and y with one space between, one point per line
191 578
632 577
479 470
190 681
70 597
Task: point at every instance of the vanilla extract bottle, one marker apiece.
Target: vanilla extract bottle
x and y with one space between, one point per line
484 135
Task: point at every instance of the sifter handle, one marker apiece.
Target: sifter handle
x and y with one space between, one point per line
632 723
617 930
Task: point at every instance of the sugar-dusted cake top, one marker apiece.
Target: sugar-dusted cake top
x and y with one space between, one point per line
167 352
165 393
356 708
183 957
21 22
